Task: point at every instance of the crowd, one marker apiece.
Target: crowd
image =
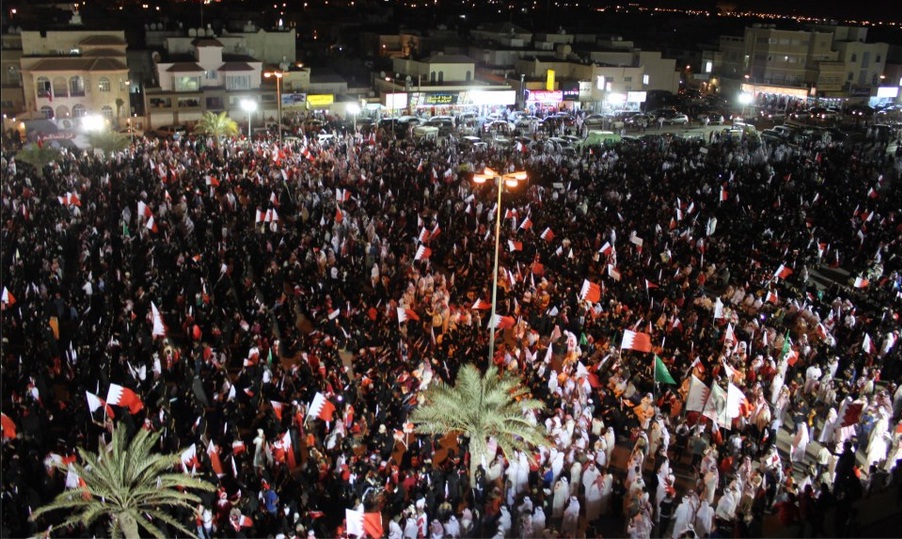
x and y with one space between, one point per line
231 286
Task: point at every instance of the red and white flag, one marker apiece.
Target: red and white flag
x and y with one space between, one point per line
95 402
407 314
729 337
718 309
7 298
189 458
151 225
215 462
724 195
273 199
502 322
590 292
782 272
861 282
422 252
867 345
424 235
635 340
125 397
481 305
772 297
613 273
8 426
547 234
321 408
342 195
159 329
364 524
526 224
277 408
339 216
649 285
697 395
288 447
515 245
211 181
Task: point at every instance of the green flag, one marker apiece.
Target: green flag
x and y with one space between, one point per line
125 230
787 347
662 375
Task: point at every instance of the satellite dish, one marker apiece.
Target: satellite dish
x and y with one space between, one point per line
407 79
192 32
382 74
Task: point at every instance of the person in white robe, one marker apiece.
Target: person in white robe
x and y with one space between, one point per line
704 519
711 482
826 435
684 514
560 496
640 526
799 443
570 523
610 442
504 521
593 497
538 521
878 441
576 472
590 474
726 506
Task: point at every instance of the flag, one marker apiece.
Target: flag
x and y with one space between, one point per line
590 292
339 216
407 314
662 375
649 284
515 245
211 181
422 252
502 322
8 426
852 414
189 458
125 397
729 337
547 234
697 395
711 226
159 330
613 273
215 462
288 447
95 402
860 282
7 298
151 225
724 195
277 408
634 340
481 304
342 195
867 345
273 199
772 297
782 272
718 309
606 249
360 524
321 408
716 406
735 399
526 224
73 480
424 235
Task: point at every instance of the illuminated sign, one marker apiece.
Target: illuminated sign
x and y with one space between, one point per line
636 97
888 92
440 99
545 96
549 80
570 91
396 101
320 100
293 99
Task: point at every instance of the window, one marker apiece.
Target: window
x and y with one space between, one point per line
78 111
15 78
646 79
238 82
47 112
76 86
43 87
62 111
103 84
210 75
469 76
60 87
187 84
850 76
878 59
107 112
854 58
627 79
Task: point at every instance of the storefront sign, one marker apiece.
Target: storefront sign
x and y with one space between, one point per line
293 99
320 100
445 98
570 91
544 96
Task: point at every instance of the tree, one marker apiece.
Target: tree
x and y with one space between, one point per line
216 126
129 485
38 156
481 406
108 142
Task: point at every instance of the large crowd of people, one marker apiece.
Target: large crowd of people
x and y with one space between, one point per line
229 285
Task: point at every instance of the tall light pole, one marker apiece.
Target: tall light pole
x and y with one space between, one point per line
249 106
354 109
510 180
278 74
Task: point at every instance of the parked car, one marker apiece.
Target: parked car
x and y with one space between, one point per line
129 131
171 131
678 119
712 118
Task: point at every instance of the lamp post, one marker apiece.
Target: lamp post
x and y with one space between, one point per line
249 106
278 74
511 180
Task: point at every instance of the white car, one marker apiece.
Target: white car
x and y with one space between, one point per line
678 119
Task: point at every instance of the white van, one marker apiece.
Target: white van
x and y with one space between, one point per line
426 132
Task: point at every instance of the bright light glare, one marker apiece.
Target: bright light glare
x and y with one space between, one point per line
248 105
92 123
745 98
353 109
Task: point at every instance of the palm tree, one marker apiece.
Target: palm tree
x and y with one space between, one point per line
127 484
216 126
481 406
108 142
38 156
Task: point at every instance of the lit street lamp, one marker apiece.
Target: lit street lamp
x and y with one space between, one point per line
511 180
278 74
354 109
249 106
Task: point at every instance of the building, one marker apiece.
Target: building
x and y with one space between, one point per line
69 74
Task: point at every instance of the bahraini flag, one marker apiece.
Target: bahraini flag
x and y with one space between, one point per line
125 397
423 252
697 395
782 272
590 292
636 340
364 524
321 408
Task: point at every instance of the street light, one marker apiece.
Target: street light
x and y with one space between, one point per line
278 74
354 109
249 106
511 180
